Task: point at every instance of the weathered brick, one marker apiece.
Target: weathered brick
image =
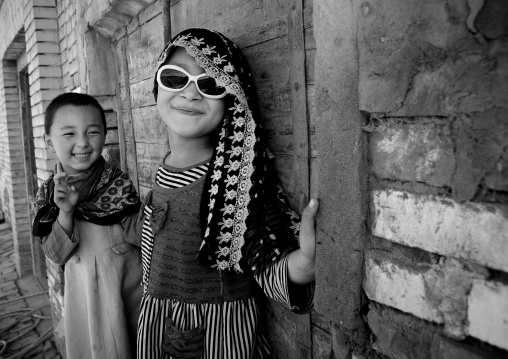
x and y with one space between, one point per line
422 152
433 292
473 231
41 35
398 335
45 24
488 312
43 12
45 83
43 60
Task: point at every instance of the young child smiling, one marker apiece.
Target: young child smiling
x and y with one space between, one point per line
78 211
217 233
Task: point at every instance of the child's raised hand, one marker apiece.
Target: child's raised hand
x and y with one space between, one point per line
66 196
301 263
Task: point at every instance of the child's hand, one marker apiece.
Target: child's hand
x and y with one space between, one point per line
301 263
308 231
66 196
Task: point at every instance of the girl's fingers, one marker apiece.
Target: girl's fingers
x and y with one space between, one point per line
307 225
308 229
59 167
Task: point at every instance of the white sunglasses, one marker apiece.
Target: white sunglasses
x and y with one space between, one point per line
174 79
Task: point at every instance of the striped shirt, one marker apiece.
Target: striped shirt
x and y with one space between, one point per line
231 328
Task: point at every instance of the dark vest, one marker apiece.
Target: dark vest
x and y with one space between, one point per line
175 272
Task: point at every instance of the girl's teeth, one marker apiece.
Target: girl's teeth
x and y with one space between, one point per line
81 155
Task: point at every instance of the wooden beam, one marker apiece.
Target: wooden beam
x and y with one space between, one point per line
299 104
301 158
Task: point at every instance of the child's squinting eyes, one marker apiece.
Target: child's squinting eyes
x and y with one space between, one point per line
94 132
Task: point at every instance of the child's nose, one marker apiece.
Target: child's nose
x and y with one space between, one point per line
83 141
191 92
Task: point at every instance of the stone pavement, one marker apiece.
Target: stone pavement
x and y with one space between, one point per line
26 328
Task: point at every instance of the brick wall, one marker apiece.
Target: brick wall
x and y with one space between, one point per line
432 79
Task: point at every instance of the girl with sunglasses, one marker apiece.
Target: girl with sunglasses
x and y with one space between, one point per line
215 231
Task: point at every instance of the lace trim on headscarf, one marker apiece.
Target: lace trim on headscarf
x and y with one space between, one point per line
231 176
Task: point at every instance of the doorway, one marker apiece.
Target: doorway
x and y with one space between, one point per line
38 259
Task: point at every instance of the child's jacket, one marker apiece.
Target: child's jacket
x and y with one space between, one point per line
102 271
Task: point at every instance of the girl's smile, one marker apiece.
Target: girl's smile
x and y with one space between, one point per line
187 113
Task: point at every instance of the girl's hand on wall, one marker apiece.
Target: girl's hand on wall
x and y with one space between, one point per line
66 196
301 263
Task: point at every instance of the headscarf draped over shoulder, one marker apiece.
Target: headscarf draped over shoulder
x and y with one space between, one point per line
106 196
243 209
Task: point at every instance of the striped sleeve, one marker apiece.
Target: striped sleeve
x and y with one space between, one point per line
146 244
276 285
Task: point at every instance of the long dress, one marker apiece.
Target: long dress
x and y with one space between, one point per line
102 289
186 306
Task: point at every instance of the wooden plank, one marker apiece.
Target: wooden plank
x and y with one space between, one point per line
301 170
141 94
145 45
149 158
299 102
264 32
233 18
309 61
148 126
128 156
166 22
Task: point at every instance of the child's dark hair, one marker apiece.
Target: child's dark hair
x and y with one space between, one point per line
74 99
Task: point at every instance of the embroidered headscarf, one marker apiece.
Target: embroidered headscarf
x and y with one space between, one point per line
243 207
106 196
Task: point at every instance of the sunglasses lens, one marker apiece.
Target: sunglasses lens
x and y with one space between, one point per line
208 86
173 79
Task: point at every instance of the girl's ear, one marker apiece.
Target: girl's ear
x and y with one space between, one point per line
49 144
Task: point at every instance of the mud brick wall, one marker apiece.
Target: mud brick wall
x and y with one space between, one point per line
432 85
